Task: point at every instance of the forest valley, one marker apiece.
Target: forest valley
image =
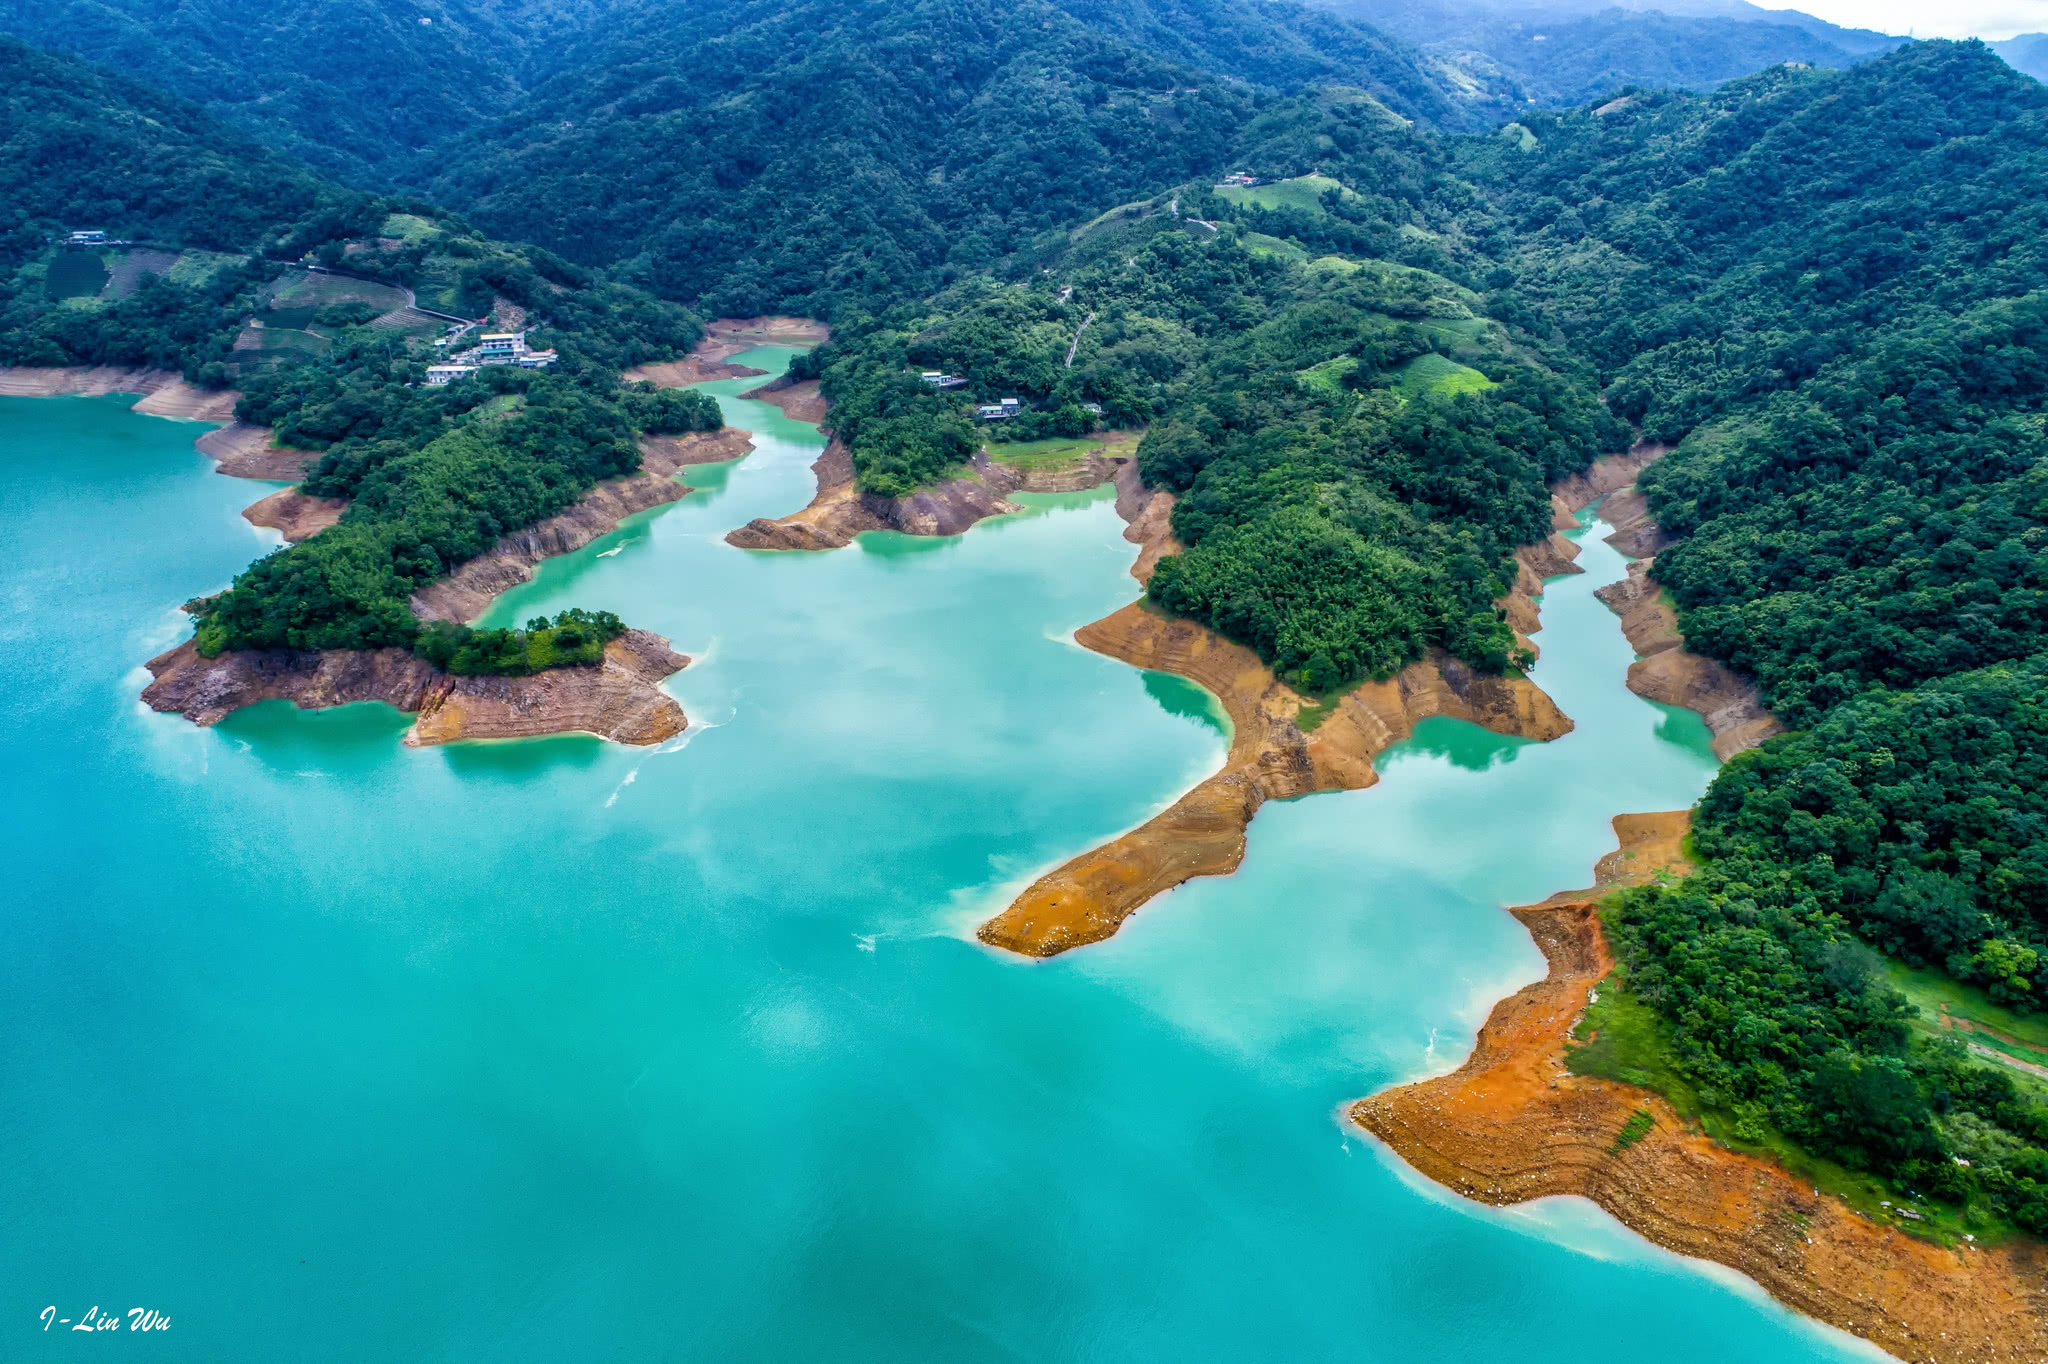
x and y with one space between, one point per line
1828 290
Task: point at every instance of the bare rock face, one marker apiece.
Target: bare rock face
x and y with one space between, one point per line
619 699
463 594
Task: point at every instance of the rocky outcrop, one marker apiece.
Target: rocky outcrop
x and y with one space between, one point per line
1667 672
463 594
840 510
618 699
1512 1124
294 514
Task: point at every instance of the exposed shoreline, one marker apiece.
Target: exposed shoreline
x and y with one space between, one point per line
1512 1124
1086 899
1667 672
619 700
724 338
464 594
161 392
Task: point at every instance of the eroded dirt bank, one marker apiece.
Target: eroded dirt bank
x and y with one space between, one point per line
294 514
1667 672
618 699
164 393
724 338
463 594
1270 757
1512 1124
840 511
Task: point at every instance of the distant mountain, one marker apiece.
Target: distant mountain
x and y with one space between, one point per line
789 153
348 85
2028 53
1563 52
83 148
1286 46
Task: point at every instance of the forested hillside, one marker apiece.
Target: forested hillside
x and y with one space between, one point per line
1831 290
433 475
1828 290
350 88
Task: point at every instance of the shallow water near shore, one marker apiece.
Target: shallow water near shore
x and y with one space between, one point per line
332 1049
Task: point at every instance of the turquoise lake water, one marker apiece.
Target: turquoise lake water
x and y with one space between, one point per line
331 1049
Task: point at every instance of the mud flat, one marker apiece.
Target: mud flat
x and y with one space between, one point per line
1270 757
463 594
618 700
1667 672
1512 1124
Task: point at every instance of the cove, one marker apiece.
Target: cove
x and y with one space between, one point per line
331 1049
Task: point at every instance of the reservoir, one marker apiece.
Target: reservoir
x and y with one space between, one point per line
330 1049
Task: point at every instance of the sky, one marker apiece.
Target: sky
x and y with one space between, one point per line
1988 19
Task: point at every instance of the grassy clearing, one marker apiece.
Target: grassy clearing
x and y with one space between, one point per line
1333 265
1621 1038
313 292
1949 1008
409 226
194 268
75 274
1261 244
1440 376
1304 192
1328 377
130 266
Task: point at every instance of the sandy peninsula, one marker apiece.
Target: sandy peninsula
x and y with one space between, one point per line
1513 1124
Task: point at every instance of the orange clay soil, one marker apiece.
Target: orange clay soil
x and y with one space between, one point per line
1667 672
1203 833
1512 1124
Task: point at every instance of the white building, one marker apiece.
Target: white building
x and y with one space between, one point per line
500 348
438 375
